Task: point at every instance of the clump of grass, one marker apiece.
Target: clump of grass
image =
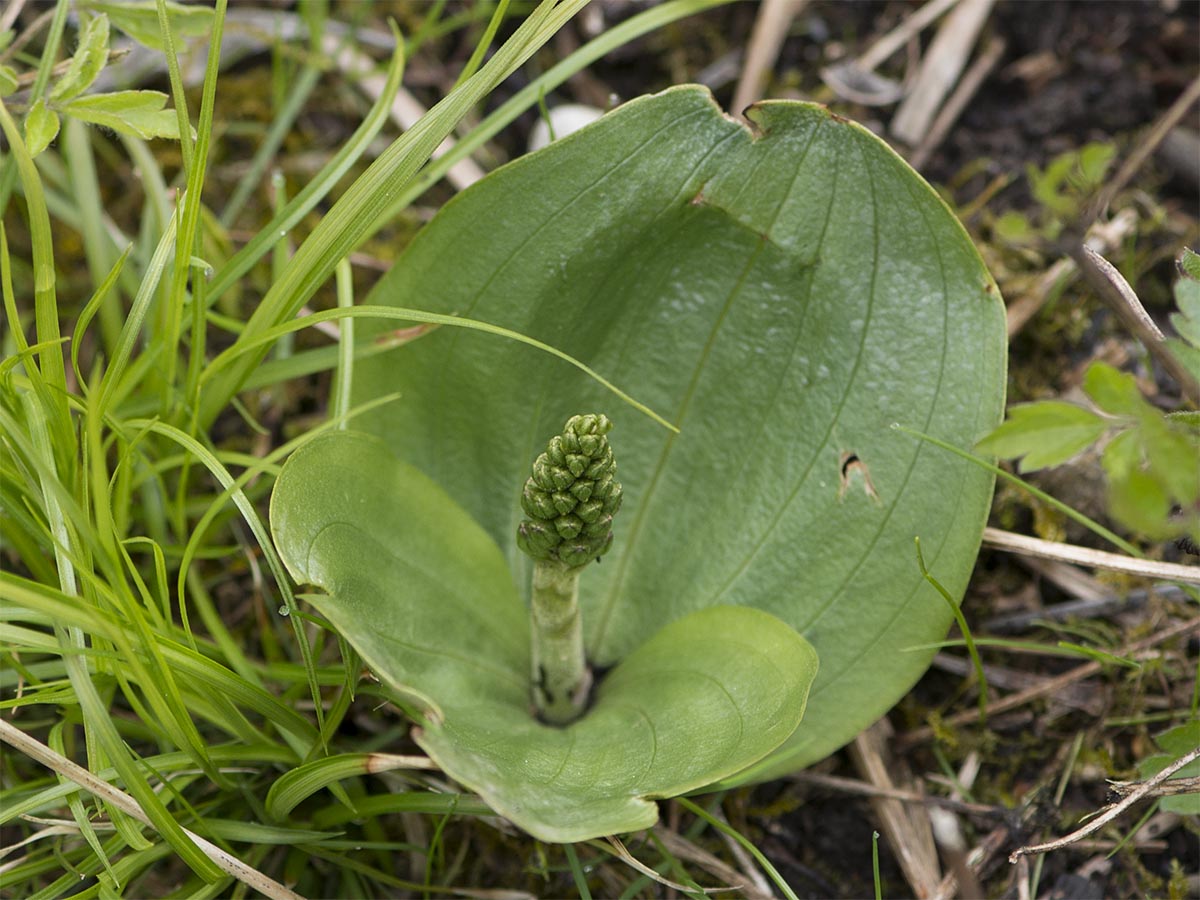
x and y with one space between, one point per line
224 740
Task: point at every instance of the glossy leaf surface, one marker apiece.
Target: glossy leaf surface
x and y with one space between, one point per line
783 295
426 598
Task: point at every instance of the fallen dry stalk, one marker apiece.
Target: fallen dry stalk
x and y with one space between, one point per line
1171 788
56 762
1085 556
1154 137
883 48
957 101
1049 686
1145 789
907 828
619 850
943 63
770 28
1111 286
684 849
865 789
1104 237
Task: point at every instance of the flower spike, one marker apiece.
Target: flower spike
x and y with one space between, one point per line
572 495
570 500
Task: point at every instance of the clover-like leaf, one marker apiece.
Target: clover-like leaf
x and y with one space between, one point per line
426 598
139 113
783 292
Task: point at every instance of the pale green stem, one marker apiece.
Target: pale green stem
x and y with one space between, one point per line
561 678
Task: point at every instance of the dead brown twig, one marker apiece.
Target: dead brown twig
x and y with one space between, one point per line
1142 791
908 829
957 101
1115 291
1171 788
1103 237
770 29
1086 556
1049 686
1156 135
943 62
865 789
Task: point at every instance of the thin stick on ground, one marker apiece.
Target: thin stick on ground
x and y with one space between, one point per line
1144 790
1049 686
684 849
1085 556
770 29
228 863
907 828
1115 291
940 69
957 101
1154 137
880 51
1103 237
866 789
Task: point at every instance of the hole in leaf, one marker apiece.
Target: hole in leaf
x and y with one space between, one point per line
855 475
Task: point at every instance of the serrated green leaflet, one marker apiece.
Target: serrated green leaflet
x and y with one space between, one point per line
784 296
138 113
1115 392
1045 433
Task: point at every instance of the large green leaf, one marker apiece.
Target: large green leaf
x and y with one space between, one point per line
426 597
785 294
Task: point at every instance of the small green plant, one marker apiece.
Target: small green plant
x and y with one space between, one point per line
137 113
1060 192
784 292
1175 743
570 500
1151 458
772 525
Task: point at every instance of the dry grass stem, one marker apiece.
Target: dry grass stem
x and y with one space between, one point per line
1104 237
979 857
1049 686
1075 696
1154 137
1085 556
862 788
907 828
957 102
9 16
56 762
1069 579
1142 791
1115 291
943 63
882 50
770 29
686 850
628 858
1171 788
947 831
